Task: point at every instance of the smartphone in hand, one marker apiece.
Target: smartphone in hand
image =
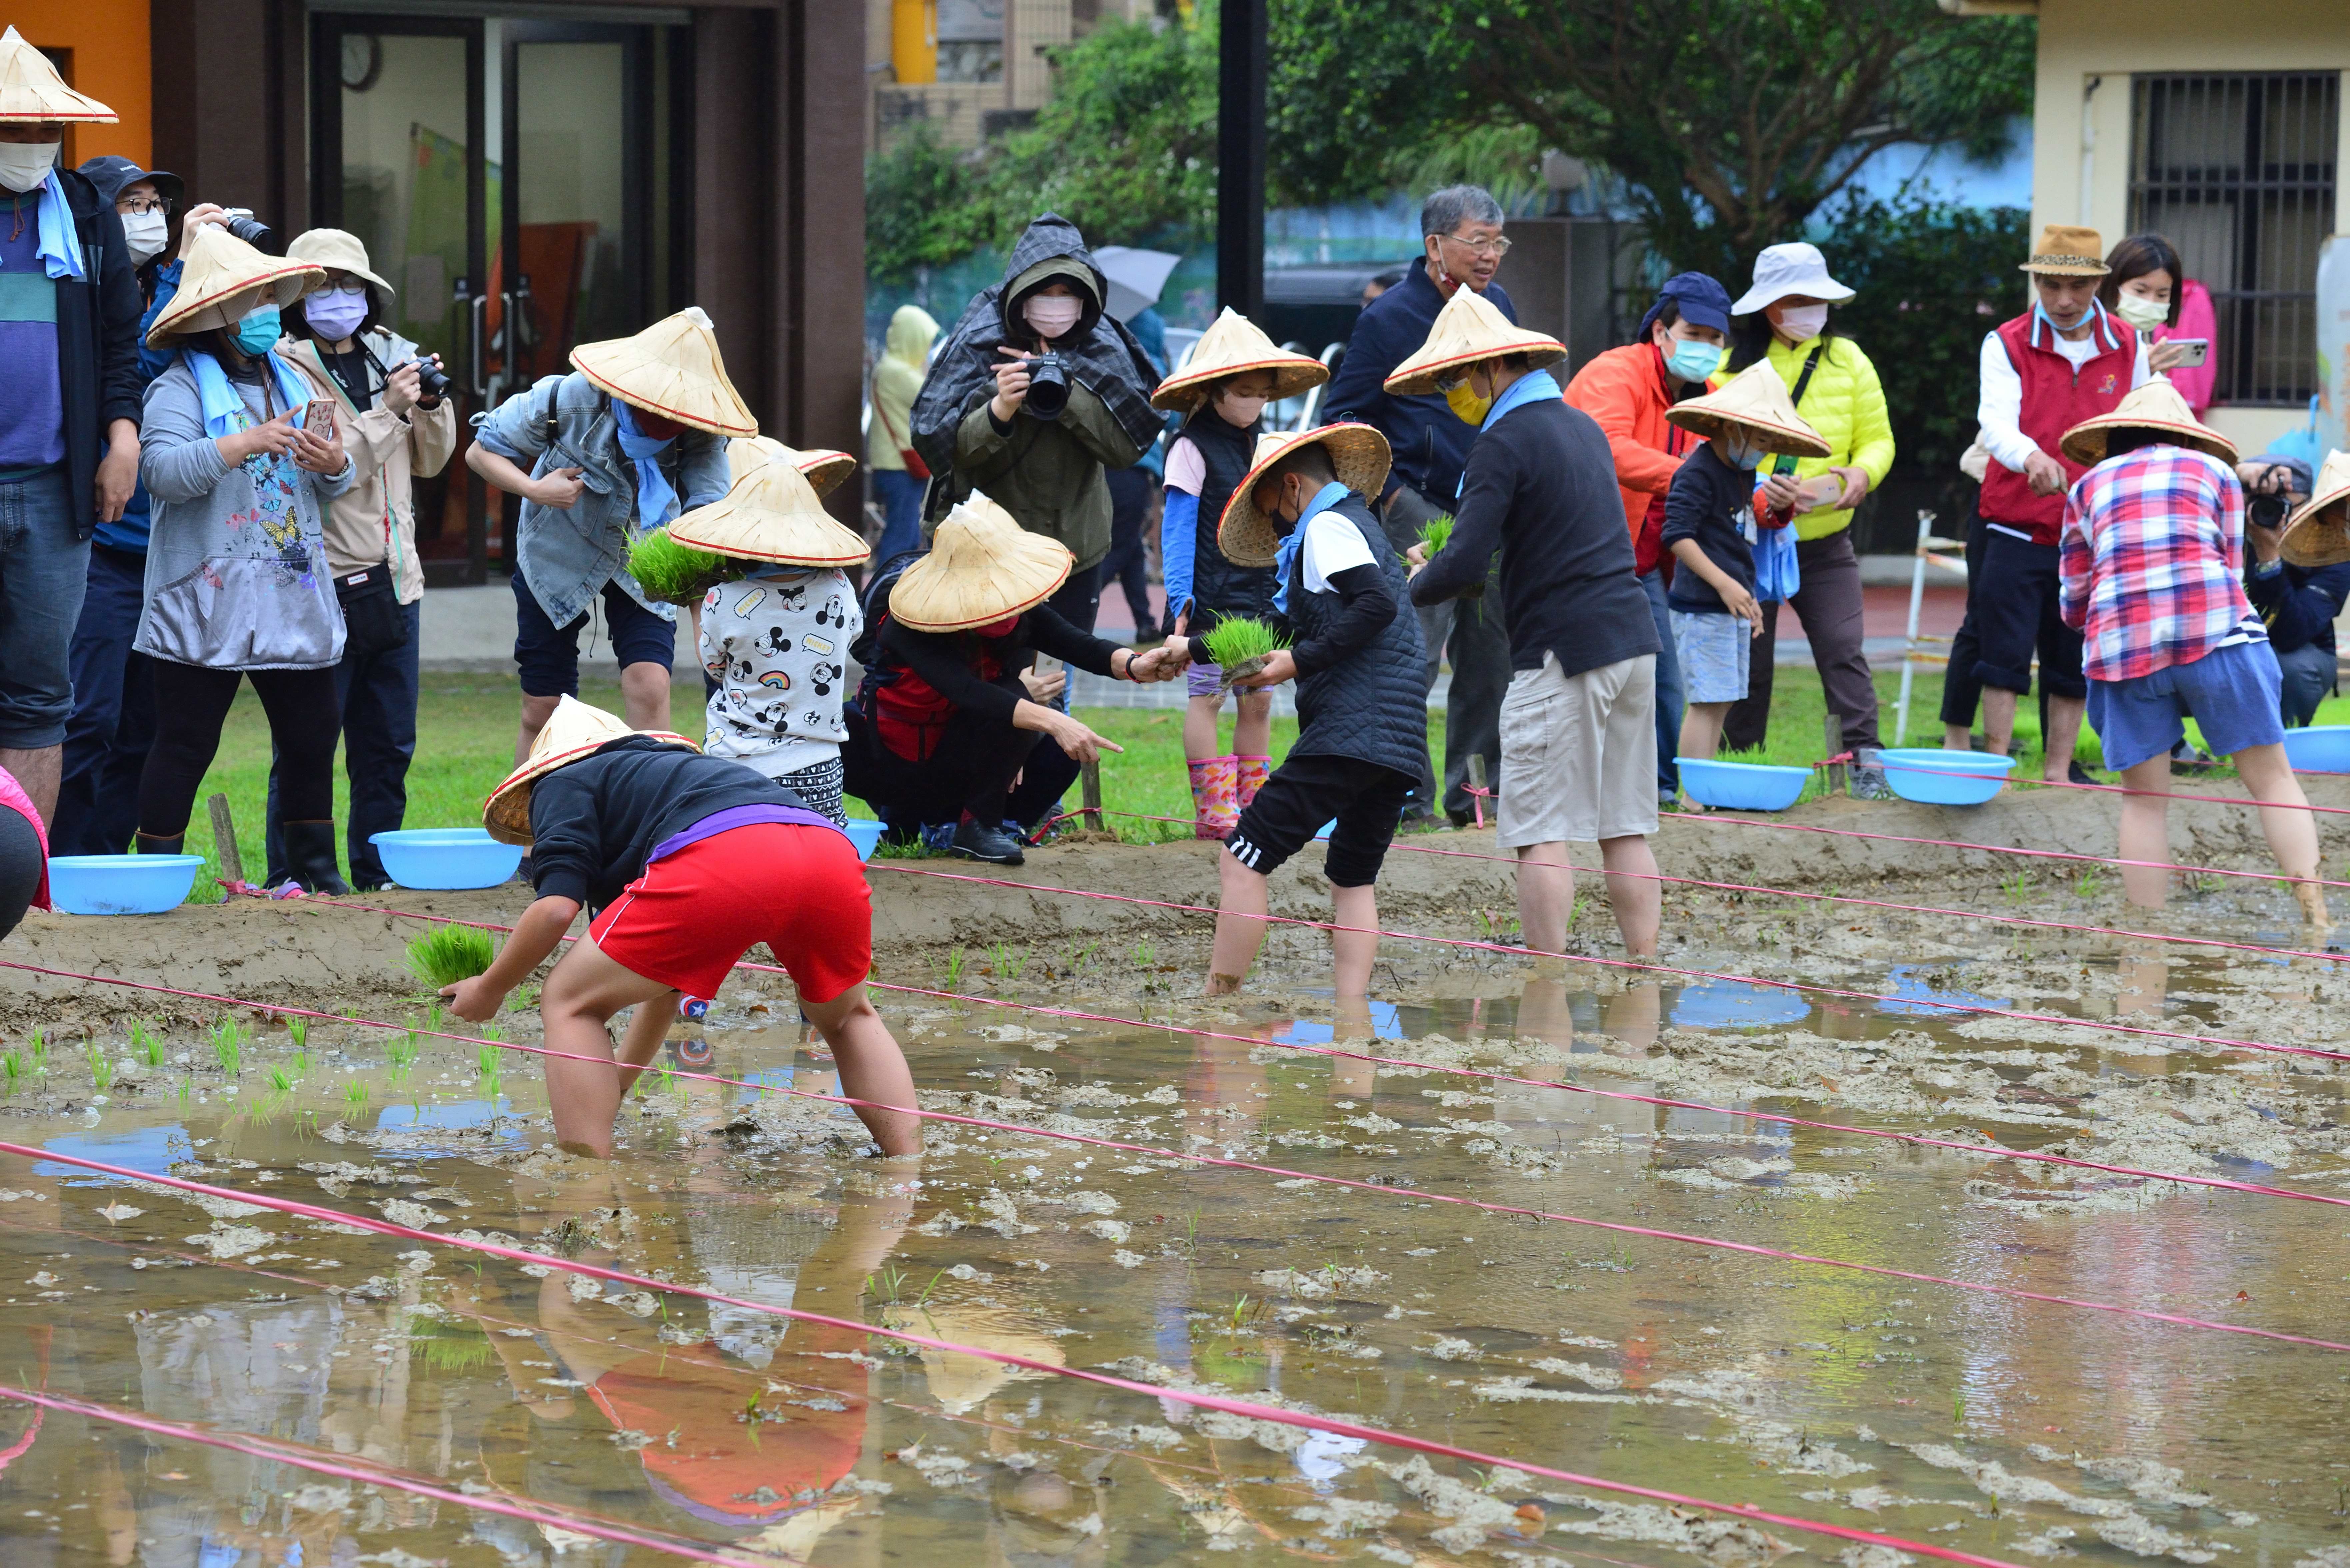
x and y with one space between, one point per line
2196 350
318 417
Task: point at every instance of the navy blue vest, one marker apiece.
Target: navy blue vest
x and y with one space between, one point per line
1371 707
1219 588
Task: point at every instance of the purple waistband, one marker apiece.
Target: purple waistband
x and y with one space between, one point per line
734 816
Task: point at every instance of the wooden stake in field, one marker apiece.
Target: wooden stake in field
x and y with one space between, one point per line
232 864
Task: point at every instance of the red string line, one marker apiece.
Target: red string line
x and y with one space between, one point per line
1247 1408
1925 1140
312 1460
2209 1042
1750 1248
1837 898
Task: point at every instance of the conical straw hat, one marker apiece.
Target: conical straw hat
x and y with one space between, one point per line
1755 401
223 278
1233 346
1469 328
673 369
573 731
2157 406
982 566
1246 535
31 89
771 515
825 468
2319 534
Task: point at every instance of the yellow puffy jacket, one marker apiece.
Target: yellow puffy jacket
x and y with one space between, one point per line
1846 406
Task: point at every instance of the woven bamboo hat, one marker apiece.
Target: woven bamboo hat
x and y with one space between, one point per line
673 369
2068 250
1233 346
824 467
1469 328
574 730
982 567
771 515
223 278
1755 401
2319 533
1246 535
2157 406
339 250
32 91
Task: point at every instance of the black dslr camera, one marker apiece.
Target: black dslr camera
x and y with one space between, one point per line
1048 387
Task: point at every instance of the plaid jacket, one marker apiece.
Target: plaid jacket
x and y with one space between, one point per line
2148 556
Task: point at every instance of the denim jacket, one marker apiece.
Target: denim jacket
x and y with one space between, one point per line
567 421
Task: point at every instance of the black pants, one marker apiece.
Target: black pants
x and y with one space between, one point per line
1127 563
1473 632
970 771
1829 604
191 704
113 718
377 695
20 868
1051 771
1961 686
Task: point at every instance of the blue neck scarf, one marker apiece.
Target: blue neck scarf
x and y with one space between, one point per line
657 505
59 247
1285 557
224 405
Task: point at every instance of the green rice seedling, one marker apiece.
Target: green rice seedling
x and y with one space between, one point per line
298 1029
674 573
228 1046
2018 888
11 1064
2089 884
486 1059
952 978
450 953
402 1052
448 1347
355 1097
281 1081
149 1047
1009 960
1145 955
37 1047
101 1071
1236 639
1436 532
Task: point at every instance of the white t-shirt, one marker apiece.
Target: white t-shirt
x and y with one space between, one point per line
1187 467
777 645
1333 545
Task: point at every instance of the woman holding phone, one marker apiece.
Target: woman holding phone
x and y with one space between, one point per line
240 473
2147 286
372 385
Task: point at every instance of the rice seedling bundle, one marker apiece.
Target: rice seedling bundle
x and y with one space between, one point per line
450 953
1436 532
674 573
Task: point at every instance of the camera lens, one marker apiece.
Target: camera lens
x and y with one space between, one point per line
1048 387
2266 511
249 229
431 381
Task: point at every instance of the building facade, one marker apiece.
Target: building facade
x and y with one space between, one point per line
968 69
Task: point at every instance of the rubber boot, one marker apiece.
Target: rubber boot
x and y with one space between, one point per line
151 845
1253 771
310 859
1214 782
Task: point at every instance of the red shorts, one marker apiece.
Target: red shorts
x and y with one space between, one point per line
801 891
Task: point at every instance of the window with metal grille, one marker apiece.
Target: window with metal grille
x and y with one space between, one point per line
2237 170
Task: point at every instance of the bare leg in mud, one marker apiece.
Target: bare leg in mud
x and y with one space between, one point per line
2287 824
1241 927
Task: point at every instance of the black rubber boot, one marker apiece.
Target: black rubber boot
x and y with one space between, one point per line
977 840
310 859
151 845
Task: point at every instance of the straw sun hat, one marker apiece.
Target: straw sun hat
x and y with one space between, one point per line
337 250
1246 535
1470 328
673 369
825 468
982 567
573 731
1755 401
2157 406
32 91
2319 533
1233 346
223 278
771 515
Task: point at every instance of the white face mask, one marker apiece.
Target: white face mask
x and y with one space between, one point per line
24 165
145 234
2142 312
1239 410
1052 314
1803 322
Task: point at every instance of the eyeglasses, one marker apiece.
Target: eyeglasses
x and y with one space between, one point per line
352 288
1496 247
140 206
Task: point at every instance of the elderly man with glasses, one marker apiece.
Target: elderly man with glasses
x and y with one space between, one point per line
1462 247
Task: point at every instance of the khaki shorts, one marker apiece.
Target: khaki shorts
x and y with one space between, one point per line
1579 753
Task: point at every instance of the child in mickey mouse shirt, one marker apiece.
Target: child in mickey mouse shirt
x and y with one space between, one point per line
777 642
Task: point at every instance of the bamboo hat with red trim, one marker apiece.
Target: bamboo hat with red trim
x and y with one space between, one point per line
2319 534
671 369
1469 330
771 515
222 277
31 91
824 467
982 567
1756 402
2157 406
574 731
1359 455
1233 346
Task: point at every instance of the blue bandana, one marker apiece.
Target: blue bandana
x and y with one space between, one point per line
657 505
223 406
1286 556
59 247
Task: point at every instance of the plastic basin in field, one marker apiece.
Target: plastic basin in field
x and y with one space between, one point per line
440 857
1935 777
2320 749
864 832
121 884
1742 786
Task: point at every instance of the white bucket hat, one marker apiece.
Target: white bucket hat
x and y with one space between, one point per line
1793 268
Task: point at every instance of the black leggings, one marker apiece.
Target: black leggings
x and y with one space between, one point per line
20 868
191 704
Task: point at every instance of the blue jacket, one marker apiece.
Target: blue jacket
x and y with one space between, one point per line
129 533
2297 604
1432 444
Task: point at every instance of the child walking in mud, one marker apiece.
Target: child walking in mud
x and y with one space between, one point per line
1301 509
685 862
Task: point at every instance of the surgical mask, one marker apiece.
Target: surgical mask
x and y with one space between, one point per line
258 329
1693 360
1803 323
1467 406
1740 451
2142 312
334 314
1239 410
145 233
1053 314
24 165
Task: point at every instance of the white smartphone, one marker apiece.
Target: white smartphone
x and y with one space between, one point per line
2197 349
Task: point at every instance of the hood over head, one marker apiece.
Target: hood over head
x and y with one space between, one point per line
911 333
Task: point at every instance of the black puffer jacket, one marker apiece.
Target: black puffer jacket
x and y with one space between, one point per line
1369 705
1220 589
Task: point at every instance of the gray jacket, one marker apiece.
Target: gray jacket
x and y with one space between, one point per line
236 566
567 421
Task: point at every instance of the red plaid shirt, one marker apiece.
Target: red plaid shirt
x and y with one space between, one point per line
2148 557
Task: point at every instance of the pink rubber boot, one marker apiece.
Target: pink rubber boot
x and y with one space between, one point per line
1251 779
1213 784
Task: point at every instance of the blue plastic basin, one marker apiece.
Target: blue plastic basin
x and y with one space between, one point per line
864 832
1935 777
2320 749
121 884
1742 786
446 856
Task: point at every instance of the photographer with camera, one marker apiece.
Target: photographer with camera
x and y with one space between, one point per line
1036 394
391 399
2299 589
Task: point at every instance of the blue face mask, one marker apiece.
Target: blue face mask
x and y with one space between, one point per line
1739 453
258 330
1693 360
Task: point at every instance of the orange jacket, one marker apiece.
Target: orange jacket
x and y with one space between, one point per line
1625 390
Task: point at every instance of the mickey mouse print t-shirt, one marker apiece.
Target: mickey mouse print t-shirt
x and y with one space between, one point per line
777 644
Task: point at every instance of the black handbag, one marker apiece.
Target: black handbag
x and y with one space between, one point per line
372 621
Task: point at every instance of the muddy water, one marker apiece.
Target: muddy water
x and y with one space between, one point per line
2005 1427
